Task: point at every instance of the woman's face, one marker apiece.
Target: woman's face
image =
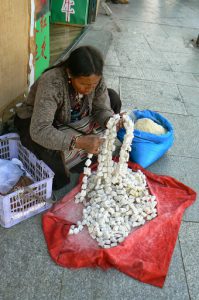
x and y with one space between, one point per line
85 84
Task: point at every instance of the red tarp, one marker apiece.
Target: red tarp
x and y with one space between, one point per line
144 255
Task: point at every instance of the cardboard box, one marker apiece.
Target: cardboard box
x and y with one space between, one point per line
24 47
14 49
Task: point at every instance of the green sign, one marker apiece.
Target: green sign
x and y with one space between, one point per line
69 11
42 40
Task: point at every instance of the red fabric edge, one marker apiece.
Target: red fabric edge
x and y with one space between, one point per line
56 229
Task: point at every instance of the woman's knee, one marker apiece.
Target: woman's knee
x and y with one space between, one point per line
115 101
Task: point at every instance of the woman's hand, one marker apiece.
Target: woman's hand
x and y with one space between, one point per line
120 123
89 143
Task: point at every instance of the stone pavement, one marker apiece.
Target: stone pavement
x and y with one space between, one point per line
153 64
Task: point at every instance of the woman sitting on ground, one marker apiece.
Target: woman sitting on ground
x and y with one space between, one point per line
65 111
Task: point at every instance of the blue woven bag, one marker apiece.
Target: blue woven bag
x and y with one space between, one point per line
147 147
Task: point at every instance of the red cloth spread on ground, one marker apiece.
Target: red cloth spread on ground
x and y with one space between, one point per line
144 255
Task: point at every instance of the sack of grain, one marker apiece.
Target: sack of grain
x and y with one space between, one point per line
148 147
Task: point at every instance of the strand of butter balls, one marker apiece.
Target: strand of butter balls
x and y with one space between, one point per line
115 198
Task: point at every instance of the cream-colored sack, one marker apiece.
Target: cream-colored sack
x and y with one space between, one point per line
148 125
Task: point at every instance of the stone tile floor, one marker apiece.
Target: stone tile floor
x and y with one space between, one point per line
152 63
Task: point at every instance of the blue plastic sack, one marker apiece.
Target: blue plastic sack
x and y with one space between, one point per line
147 147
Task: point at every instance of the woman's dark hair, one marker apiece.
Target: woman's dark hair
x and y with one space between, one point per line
83 61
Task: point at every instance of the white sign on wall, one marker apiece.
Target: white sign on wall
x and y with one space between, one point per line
67 9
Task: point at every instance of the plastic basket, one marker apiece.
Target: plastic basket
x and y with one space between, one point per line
29 201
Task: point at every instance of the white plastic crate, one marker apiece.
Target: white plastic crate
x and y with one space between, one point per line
24 203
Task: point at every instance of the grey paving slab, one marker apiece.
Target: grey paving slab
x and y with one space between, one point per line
142 94
26 275
186 135
197 77
190 97
182 62
193 4
146 14
77 284
111 23
74 177
129 42
100 39
114 285
113 83
152 74
118 71
184 169
25 236
189 241
172 13
190 22
175 10
186 33
141 58
111 58
169 44
131 28
102 21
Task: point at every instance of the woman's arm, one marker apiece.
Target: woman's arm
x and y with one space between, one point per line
48 97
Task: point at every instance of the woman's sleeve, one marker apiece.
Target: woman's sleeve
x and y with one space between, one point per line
48 97
101 108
